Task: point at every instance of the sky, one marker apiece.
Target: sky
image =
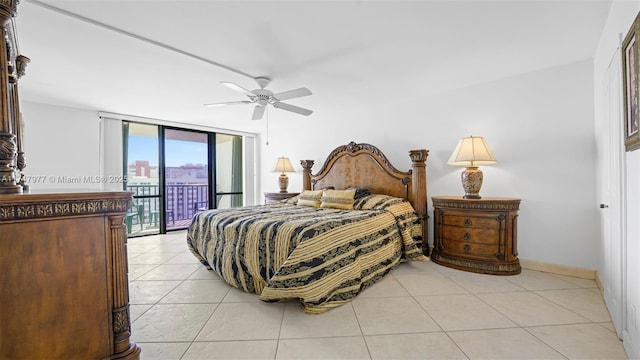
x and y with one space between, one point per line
178 152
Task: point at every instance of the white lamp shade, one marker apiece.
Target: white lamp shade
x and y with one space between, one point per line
283 165
472 151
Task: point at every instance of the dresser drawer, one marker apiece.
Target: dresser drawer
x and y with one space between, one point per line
454 218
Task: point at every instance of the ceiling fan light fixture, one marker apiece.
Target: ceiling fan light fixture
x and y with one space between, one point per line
258 112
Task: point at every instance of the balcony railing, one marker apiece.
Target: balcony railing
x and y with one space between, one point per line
183 201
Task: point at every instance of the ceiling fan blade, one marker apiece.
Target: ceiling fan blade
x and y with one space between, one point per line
292 94
228 103
258 111
236 87
292 108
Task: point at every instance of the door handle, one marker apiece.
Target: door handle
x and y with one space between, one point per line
604 206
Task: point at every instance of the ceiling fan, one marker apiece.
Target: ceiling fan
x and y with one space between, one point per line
262 97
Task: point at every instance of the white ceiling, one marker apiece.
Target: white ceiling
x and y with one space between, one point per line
92 54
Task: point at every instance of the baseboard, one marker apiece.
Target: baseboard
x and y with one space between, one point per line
631 346
560 269
600 284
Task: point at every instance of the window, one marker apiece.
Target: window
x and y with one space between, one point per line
171 172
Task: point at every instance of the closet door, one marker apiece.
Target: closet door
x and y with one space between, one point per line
610 170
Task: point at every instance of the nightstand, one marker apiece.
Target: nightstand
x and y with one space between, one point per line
478 235
270 198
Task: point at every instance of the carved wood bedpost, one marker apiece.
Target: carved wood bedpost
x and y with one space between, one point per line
419 191
8 146
306 174
21 64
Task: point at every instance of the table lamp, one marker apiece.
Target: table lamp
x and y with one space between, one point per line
471 152
283 165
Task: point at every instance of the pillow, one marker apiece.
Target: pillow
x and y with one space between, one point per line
310 198
292 200
360 192
338 199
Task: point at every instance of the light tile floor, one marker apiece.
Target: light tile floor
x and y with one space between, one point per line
179 310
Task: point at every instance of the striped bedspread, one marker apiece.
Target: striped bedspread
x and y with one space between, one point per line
323 257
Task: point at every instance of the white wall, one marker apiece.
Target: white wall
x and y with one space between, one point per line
63 150
61 147
620 18
538 125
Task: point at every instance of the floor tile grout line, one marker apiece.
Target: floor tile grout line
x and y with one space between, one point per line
355 315
523 326
560 306
284 311
544 342
563 306
204 324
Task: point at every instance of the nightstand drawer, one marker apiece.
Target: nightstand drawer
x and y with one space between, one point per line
491 221
478 235
469 249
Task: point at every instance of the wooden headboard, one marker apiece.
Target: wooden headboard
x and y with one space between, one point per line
365 166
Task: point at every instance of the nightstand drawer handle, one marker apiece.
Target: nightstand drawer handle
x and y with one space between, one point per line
467 222
466 248
466 236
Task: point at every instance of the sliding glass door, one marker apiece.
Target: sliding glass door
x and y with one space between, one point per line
174 173
141 157
186 169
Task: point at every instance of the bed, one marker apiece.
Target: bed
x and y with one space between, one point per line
355 220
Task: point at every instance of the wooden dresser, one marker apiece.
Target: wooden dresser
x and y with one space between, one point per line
64 287
478 235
